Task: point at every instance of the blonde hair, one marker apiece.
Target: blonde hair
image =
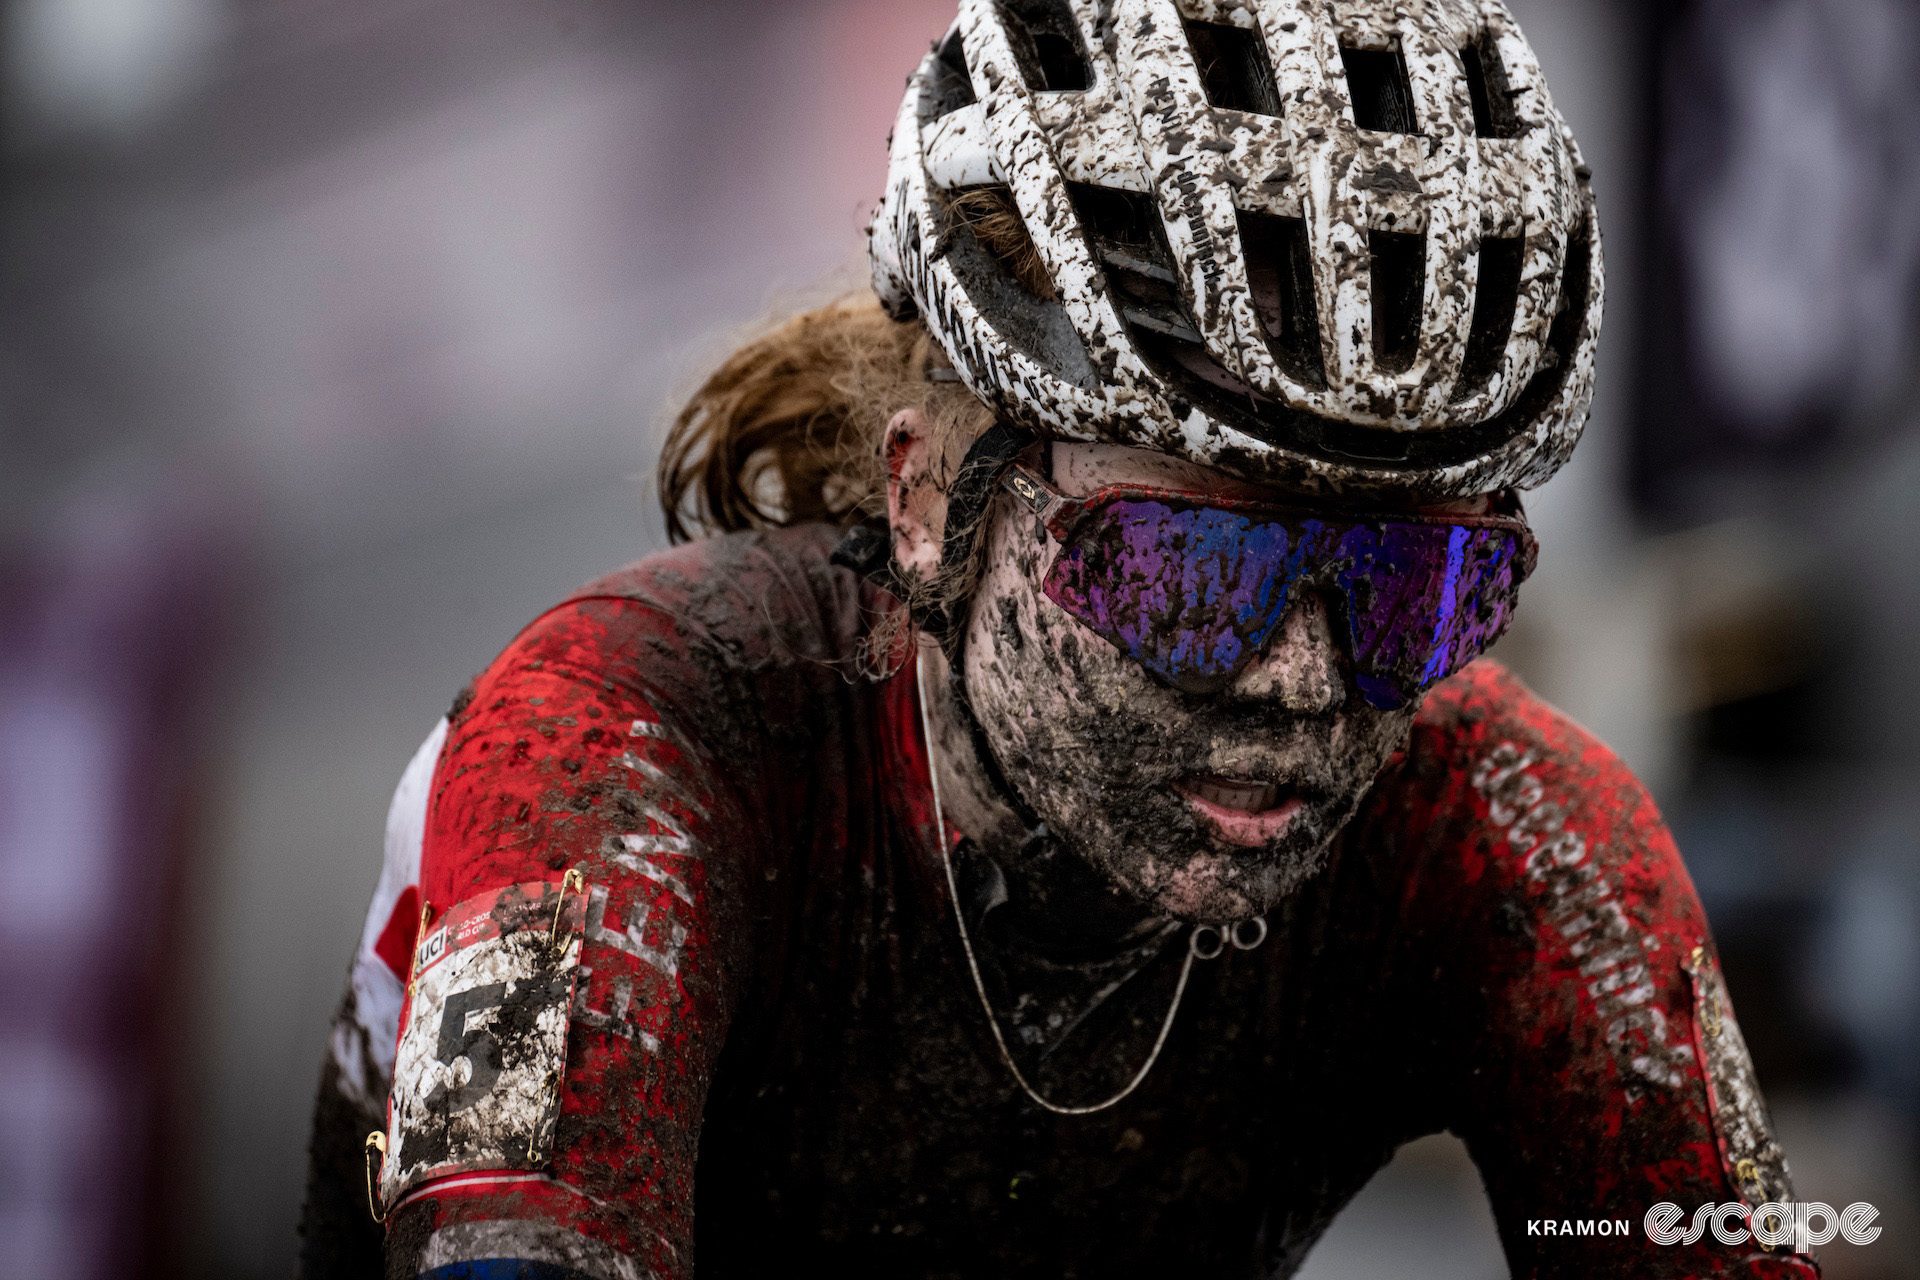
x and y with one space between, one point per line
788 429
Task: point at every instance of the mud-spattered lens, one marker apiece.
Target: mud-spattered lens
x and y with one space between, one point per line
1421 601
1195 593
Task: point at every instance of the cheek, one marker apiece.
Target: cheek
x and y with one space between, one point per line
1015 676
1030 664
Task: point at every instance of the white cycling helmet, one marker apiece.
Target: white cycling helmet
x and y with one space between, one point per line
1347 246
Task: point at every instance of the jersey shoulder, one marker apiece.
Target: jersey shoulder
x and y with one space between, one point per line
1541 832
716 664
1484 724
1509 773
1585 957
734 635
760 599
1486 704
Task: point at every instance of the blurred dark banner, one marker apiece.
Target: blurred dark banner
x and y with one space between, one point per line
113 621
1785 244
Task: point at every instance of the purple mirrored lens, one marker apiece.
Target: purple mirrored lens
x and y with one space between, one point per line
1190 593
1422 601
1193 593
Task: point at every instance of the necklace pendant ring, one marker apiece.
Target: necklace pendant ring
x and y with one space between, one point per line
1210 942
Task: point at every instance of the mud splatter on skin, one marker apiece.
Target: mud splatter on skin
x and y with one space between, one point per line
1098 748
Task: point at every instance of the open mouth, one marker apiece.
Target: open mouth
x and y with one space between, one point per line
1247 812
1246 795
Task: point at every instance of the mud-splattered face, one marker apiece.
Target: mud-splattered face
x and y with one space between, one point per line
1209 808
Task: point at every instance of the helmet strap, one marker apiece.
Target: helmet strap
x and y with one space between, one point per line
868 550
968 502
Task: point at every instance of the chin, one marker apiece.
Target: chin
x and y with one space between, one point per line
1216 886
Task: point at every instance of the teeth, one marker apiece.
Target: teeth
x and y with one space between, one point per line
1248 797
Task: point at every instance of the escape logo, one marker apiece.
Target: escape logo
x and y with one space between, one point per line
1770 1226
1804 1226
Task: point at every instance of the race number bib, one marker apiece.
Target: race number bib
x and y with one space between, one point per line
476 1082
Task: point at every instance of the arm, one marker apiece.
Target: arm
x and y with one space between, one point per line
338 1236
1603 1071
562 761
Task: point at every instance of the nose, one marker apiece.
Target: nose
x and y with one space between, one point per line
1299 669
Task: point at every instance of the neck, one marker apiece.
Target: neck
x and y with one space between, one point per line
1055 900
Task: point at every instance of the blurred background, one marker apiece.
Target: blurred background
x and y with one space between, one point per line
333 339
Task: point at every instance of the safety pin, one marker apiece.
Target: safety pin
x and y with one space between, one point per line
572 880
1710 1006
550 1087
419 936
376 1141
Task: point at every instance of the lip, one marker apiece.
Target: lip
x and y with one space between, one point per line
1241 811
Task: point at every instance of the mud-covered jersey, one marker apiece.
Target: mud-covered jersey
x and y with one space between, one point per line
745 1032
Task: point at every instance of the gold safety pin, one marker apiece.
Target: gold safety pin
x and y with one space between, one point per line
1710 1021
376 1141
549 1088
572 880
419 936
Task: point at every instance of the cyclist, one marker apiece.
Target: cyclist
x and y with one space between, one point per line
1060 823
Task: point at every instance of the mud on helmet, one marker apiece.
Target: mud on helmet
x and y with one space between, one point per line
1348 246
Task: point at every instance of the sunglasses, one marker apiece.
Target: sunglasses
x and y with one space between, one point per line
1193 587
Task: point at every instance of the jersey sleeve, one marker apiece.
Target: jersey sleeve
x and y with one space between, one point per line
1597 1070
564 761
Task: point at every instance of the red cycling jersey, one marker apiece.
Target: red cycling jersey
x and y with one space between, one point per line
771 1055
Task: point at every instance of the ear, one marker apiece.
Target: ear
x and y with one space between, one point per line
915 506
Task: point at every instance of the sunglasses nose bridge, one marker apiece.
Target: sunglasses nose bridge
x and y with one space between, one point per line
1299 665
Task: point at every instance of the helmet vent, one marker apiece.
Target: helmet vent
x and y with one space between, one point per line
1176 352
1563 344
1280 270
992 255
990 213
1494 302
1122 219
1379 90
1234 68
953 82
1127 236
1399 286
1493 114
1046 43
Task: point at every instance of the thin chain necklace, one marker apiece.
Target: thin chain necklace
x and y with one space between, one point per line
1196 949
